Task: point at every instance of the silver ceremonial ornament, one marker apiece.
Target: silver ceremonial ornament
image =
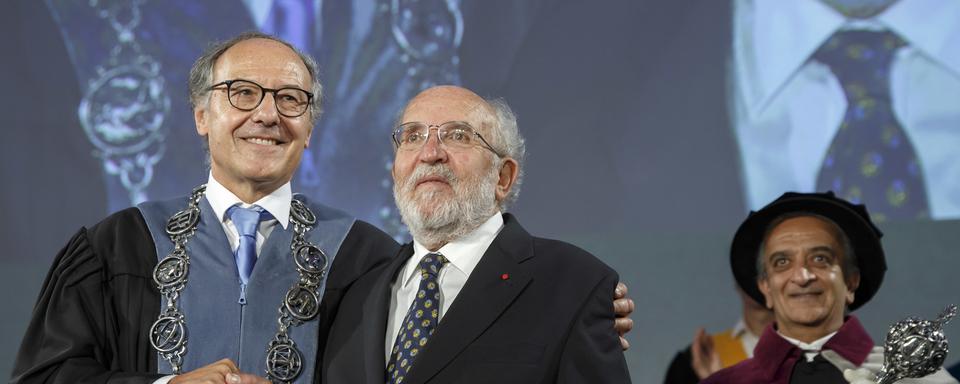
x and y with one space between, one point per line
283 361
168 334
300 304
126 102
915 347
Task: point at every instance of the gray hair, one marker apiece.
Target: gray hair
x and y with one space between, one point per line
201 74
849 262
509 142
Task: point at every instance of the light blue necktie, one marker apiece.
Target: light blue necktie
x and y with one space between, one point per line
246 220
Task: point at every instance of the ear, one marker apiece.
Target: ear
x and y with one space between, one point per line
509 171
393 169
200 120
852 284
306 143
764 286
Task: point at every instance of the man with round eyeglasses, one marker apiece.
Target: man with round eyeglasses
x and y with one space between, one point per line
233 283
237 282
247 95
455 134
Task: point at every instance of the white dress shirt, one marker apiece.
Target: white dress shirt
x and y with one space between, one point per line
277 203
463 256
810 349
787 108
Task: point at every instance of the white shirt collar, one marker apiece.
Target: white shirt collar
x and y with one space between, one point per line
277 202
774 38
816 345
930 26
463 253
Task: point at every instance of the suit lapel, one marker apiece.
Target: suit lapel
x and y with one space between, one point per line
375 319
484 297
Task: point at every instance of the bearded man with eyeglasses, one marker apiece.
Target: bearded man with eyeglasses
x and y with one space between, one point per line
474 298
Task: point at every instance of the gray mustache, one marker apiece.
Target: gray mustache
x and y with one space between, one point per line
422 171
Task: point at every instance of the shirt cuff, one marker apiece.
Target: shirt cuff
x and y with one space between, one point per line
165 379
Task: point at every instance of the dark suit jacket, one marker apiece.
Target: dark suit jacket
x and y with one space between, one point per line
534 310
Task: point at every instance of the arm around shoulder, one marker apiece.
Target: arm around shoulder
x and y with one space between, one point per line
592 352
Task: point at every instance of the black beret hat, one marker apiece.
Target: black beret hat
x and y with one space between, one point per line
853 219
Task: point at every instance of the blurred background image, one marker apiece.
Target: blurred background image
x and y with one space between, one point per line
653 127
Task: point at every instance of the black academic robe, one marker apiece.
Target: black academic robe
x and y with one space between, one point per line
93 316
532 311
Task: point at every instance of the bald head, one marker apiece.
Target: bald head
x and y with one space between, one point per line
452 103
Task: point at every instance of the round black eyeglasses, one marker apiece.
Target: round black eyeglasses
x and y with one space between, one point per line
246 95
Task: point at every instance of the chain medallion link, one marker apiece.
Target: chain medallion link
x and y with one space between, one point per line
301 303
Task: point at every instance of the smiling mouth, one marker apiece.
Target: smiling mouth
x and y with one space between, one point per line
805 295
261 141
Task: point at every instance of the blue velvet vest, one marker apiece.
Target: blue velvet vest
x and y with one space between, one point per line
218 326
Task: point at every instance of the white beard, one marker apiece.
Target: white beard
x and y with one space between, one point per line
452 217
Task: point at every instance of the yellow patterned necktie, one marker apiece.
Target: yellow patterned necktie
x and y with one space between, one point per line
871 159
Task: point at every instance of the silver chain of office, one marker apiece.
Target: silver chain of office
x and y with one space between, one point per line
300 304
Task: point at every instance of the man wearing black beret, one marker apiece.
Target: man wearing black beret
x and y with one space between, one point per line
811 258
